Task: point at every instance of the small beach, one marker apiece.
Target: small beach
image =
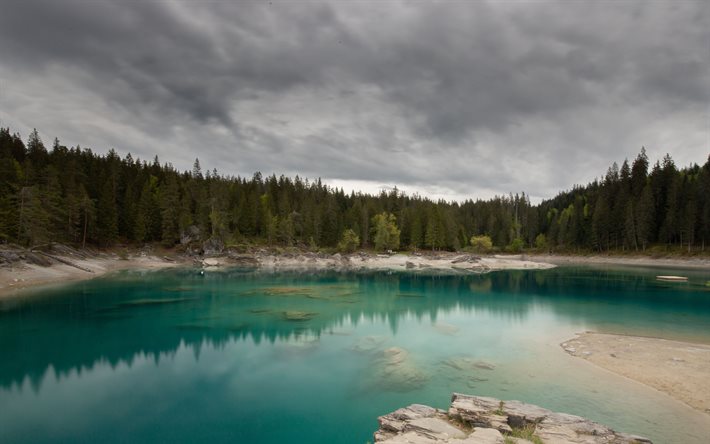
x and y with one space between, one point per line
679 369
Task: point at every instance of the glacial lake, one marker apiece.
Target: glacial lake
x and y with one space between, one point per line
243 356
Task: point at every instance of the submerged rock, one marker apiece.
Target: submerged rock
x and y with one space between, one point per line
446 329
465 363
369 343
482 420
279 291
396 371
298 315
158 301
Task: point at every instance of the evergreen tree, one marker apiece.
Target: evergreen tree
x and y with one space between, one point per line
170 211
107 215
148 218
600 223
75 195
645 217
34 223
10 186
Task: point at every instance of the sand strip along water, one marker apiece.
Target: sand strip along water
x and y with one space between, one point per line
679 369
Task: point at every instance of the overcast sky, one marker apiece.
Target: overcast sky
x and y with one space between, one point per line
451 100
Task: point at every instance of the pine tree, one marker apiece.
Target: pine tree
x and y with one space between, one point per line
88 213
37 157
645 217
170 209
669 227
286 230
600 223
703 196
433 235
55 205
639 173
630 226
689 222
34 219
148 218
107 215
416 237
10 180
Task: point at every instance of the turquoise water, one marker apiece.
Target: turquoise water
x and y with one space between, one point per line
251 357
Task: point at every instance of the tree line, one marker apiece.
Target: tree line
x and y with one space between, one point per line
73 195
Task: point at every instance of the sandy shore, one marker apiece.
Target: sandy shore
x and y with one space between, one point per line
638 261
23 275
440 263
679 369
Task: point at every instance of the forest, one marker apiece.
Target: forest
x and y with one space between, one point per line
75 196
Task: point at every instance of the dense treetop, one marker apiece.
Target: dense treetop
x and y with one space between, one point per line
75 196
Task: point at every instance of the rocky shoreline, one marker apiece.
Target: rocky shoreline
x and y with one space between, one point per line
21 268
441 262
483 420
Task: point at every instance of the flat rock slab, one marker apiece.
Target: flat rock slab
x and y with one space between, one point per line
483 420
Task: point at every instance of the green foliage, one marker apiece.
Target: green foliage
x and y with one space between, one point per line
76 196
541 242
482 244
516 246
385 231
34 218
107 214
349 242
527 432
170 211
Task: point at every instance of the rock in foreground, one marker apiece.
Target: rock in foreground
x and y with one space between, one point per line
481 420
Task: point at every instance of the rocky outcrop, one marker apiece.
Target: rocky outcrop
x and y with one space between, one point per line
189 235
212 246
482 420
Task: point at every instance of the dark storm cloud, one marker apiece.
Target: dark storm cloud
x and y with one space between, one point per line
464 97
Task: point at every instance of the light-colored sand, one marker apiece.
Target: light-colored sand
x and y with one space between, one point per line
639 261
679 369
440 263
23 275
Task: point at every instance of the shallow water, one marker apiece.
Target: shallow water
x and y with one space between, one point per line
244 356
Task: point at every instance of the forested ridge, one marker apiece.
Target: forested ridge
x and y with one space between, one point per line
73 195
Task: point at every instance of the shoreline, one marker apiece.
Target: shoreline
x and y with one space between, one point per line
678 369
70 267
15 279
73 265
633 261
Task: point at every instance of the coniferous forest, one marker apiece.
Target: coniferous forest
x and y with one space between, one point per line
75 196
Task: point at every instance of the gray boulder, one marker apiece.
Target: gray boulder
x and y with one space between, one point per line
189 235
482 420
212 247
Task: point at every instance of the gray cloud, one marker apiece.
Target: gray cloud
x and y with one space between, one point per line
471 99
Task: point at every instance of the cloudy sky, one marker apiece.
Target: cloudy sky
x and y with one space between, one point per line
448 99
